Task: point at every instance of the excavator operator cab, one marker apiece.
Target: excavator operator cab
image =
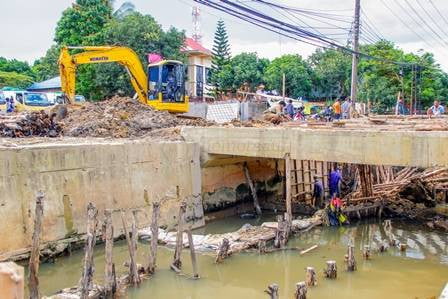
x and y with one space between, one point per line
166 82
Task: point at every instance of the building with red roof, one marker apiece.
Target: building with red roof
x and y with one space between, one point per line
199 66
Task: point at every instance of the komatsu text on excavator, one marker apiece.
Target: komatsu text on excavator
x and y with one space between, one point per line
163 88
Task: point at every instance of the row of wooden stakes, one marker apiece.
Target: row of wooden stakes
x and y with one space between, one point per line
330 272
137 272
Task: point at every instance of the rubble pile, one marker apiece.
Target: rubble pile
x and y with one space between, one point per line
122 117
29 124
411 193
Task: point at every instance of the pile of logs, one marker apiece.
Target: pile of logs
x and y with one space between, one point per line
29 124
406 192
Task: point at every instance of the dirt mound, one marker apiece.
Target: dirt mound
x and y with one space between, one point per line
122 117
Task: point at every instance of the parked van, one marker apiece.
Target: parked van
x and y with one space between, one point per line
58 98
32 101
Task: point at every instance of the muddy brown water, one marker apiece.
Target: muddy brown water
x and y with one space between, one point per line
420 272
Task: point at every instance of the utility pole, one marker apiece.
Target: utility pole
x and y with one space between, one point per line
412 91
354 87
283 86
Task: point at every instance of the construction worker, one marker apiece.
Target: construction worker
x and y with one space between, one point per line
337 109
436 109
346 106
334 182
328 113
400 109
290 109
10 105
318 192
335 215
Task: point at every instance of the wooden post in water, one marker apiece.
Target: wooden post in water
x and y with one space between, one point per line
288 187
177 263
88 268
388 230
301 290
252 189
262 247
192 254
366 252
134 278
310 279
272 291
288 226
154 237
110 281
281 237
403 247
351 262
33 283
383 247
223 251
332 270
278 234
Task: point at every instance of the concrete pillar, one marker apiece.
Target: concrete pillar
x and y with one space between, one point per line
11 281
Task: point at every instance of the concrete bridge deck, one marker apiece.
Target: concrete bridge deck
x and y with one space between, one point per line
364 146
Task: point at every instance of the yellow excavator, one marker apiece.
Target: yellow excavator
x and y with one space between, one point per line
162 89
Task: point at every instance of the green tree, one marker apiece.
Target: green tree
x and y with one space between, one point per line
298 75
380 79
244 68
248 68
80 23
331 73
47 67
221 56
15 79
14 65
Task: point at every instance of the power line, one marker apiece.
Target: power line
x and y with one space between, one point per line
372 25
263 20
306 12
431 18
366 32
438 11
278 24
253 21
405 24
416 21
295 17
290 16
424 21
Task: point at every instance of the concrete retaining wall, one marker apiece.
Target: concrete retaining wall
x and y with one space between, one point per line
118 174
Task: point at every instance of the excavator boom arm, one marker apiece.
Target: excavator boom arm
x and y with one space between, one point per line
122 55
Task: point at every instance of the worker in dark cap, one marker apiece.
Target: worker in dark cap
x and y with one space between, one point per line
318 192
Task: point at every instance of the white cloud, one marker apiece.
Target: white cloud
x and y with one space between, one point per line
272 49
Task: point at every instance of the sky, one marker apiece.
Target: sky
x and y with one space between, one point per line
27 27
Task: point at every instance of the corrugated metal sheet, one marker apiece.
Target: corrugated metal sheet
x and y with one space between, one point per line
53 83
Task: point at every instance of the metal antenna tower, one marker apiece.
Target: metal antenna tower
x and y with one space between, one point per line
196 15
